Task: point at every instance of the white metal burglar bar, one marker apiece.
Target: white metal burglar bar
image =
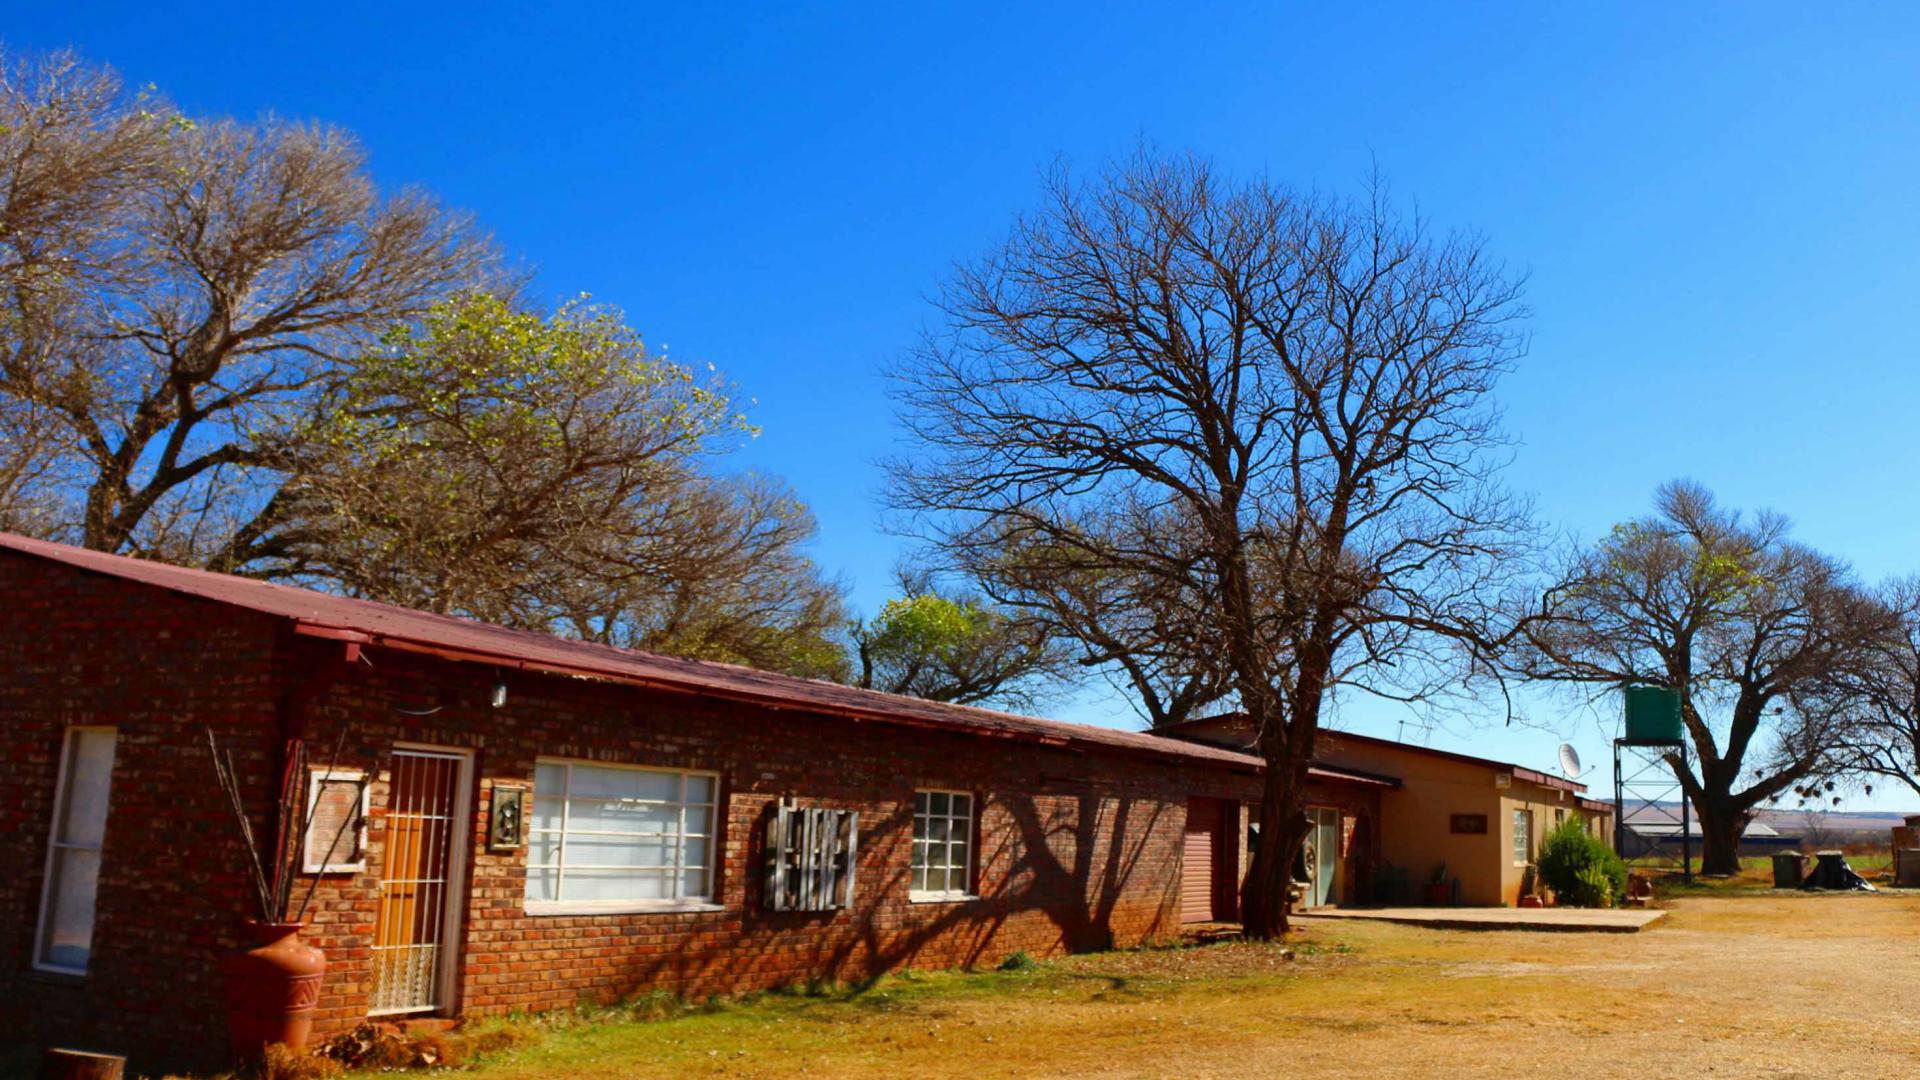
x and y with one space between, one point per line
422 836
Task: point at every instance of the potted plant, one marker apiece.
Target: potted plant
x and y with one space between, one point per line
1439 889
1530 888
273 979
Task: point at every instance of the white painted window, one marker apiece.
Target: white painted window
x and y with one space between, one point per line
942 846
337 822
619 838
1522 836
65 937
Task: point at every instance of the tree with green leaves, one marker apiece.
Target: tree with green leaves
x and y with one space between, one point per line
546 472
1756 631
956 647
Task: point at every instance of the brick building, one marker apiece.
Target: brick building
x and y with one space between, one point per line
546 820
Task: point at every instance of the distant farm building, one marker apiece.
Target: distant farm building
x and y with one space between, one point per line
1656 828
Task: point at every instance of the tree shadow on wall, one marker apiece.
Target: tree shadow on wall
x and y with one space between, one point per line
1055 880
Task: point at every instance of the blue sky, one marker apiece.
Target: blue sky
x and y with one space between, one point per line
1715 204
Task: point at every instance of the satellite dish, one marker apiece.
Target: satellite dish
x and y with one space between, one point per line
1569 761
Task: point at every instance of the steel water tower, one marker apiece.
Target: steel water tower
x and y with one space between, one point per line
1646 784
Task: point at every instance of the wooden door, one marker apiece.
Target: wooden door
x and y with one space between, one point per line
1202 863
424 836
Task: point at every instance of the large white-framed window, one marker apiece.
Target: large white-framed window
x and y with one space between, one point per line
619 838
1522 837
942 846
65 937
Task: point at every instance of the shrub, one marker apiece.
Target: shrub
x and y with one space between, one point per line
1580 868
1020 961
501 1036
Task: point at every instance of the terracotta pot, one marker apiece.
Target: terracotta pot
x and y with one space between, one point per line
1439 893
272 989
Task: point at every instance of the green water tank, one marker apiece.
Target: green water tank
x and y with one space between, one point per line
1653 715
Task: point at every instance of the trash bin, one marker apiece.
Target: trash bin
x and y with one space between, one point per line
1908 874
1789 869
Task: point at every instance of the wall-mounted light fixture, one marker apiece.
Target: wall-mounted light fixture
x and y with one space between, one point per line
506 825
499 698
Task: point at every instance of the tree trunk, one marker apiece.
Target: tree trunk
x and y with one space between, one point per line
1263 902
1721 823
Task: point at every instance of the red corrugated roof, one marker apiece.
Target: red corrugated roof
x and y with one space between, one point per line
325 615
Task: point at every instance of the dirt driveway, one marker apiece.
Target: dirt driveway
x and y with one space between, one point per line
1765 985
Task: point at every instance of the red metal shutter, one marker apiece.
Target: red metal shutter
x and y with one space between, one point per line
1202 843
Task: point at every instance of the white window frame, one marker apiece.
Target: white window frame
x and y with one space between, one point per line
54 846
315 778
1522 826
637 905
972 818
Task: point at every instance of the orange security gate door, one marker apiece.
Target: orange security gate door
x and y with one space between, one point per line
425 831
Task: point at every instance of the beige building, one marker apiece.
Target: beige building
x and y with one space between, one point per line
1483 818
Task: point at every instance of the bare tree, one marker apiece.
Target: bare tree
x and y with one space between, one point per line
74 153
1270 409
1756 632
1884 695
179 287
30 457
1145 630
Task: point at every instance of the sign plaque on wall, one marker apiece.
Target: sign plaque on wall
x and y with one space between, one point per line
1470 824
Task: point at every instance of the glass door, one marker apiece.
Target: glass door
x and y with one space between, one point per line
1323 866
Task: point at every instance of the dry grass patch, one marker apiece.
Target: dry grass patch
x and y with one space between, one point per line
1766 985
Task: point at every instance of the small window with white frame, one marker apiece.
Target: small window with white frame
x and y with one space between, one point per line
336 841
1522 836
619 838
942 846
65 937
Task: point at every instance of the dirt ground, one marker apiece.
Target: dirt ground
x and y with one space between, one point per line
1750 985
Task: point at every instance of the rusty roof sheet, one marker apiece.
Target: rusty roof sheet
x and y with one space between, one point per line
327 615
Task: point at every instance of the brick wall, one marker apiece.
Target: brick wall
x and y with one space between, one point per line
1077 850
80 649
